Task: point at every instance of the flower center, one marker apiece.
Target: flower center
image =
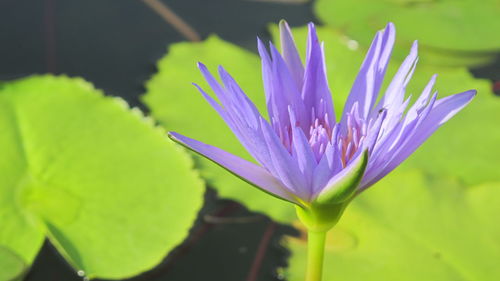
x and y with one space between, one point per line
346 142
319 137
342 140
350 141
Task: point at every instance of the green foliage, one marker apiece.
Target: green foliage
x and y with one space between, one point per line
95 177
413 227
450 32
12 267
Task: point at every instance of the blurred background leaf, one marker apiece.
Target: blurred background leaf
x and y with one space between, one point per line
69 172
412 226
450 32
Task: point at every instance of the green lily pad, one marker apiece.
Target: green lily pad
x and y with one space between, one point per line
12 267
450 32
179 107
99 179
412 227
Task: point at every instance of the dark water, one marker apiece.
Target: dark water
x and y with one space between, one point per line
115 43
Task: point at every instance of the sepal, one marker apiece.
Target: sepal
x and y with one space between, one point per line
344 185
326 209
320 218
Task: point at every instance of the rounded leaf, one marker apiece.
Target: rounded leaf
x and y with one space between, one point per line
450 32
107 187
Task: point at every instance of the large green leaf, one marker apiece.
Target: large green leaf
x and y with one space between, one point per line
108 188
413 227
12 267
181 108
450 32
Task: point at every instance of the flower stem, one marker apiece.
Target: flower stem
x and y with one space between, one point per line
315 254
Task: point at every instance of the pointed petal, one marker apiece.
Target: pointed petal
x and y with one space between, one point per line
374 131
286 169
392 138
280 88
290 54
247 171
316 92
214 84
285 89
394 115
422 100
369 80
388 146
242 104
240 115
211 101
444 109
441 112
394 95
393 99
301 151
267 79
329 165
223 114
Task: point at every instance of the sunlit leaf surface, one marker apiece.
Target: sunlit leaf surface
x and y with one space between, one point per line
12 266
110 191
413 227
450 32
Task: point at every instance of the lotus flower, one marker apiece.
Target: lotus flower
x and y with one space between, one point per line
304 154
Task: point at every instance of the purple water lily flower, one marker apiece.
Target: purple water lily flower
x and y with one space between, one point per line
304 153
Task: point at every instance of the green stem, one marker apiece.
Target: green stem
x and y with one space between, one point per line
315 254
